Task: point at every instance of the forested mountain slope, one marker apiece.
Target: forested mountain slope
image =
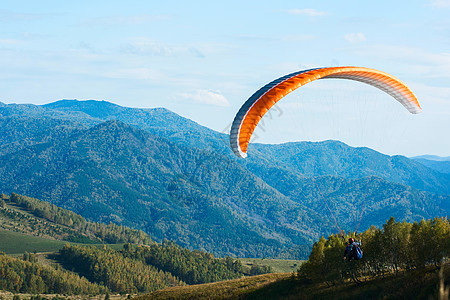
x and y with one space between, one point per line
113 172
169 176
338 159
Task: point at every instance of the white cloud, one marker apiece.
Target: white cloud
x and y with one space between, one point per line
440 3
136 73
11 42
86 46
418 61
126 20
433 95
277 38
147 47
206 97
311 12
9 16
297 38
355 37
197 53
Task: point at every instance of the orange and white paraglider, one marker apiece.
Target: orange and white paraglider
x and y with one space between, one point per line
260 102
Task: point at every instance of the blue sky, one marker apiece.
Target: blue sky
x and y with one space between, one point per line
203 59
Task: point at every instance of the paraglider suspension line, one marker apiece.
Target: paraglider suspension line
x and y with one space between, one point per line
326 204
363 204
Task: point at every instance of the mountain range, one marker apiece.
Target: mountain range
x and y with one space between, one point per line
154 170
438 163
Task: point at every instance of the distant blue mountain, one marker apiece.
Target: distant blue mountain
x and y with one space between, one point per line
440 164
432 157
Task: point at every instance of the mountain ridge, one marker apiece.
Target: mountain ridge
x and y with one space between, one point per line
185 184
432 157
205 138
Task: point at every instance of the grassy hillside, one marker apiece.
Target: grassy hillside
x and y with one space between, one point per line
123 268
18 243
231 289
34 217
287 286
276 265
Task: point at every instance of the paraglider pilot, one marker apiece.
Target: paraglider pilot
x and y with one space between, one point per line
353 250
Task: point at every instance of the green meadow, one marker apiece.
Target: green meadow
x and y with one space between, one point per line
19 243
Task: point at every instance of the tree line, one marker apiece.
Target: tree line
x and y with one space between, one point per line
396 247
134 269
27 276
115 271
193 267
145 268
82 231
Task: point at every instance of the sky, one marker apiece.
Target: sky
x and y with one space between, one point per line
204 59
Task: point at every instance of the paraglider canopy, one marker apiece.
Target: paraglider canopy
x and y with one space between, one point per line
262 100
